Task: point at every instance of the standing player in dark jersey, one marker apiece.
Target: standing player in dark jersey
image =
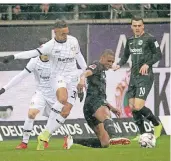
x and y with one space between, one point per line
145 51
96 109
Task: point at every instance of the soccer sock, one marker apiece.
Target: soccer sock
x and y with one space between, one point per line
139 121
147 113
28 125
109 127
55 120
91 142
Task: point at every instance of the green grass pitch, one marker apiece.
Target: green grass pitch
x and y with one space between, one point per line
55 152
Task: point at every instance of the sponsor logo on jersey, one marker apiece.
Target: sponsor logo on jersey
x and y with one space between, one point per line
44 77
66 60
57 51
136 51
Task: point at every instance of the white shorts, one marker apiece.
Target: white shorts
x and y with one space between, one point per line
70 83
40 103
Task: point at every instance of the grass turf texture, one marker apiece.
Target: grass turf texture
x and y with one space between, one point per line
55 152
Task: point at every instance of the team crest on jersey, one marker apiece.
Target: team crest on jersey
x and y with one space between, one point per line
93 66
140 42
73 48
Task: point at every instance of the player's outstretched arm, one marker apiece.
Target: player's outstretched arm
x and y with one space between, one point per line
125 56
81 61
82 84
15 80
21 55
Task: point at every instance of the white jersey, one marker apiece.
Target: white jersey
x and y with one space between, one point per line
62 56
42 73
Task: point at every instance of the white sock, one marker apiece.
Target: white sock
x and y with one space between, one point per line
28 126
55 120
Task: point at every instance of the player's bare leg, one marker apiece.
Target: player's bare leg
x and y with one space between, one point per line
103 115
28 125
56 118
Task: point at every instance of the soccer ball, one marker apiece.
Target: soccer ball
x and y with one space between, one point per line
147 140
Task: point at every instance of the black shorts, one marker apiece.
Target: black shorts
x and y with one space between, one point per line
140 86
91 105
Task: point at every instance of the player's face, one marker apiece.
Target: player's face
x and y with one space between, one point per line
137 27
108 61
61 34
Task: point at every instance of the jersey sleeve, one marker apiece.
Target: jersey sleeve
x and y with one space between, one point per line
77 46
125 56
46 48
31 65
155 49
17 79
93 67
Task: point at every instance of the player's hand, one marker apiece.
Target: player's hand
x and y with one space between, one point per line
80 87
2 90
81 96
116 67
144 69
114 110
8 58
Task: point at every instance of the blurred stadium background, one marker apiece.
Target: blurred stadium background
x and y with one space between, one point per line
97 26
81 11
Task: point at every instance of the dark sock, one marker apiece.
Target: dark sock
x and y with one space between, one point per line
90 142
139 121
109 127
147 113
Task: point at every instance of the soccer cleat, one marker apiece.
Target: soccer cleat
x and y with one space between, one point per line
119 141
68 142
136 138
158 130
21 146
43 137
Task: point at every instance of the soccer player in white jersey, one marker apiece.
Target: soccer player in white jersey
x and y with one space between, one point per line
63 52
44 97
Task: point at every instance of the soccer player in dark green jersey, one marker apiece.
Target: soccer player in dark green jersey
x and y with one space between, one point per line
96 109
145 51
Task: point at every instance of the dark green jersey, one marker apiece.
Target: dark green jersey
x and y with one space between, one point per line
97 82
143 50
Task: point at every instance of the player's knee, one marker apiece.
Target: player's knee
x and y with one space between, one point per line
63 99
33 113
62 95
138 104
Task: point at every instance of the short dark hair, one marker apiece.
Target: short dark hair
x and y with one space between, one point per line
108 52
60 24
137 18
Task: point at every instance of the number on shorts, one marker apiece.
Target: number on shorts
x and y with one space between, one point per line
142 91
74 94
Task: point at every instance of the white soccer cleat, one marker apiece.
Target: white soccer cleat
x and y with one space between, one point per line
119 141
68 142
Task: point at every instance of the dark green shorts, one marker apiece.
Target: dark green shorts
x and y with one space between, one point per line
90 107
140 86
